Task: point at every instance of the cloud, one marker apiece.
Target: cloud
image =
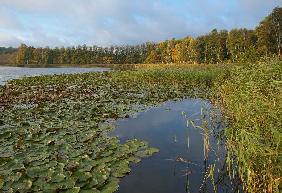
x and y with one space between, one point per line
107 22
8 40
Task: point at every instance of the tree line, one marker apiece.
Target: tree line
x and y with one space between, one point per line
7 55
236 45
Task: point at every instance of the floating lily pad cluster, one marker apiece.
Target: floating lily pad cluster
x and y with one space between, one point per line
53 136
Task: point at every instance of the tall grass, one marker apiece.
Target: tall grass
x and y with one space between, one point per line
252 98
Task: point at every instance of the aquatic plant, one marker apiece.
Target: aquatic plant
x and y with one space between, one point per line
53 133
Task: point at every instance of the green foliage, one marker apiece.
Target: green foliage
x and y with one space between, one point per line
242 45
252 96
269 33
30 56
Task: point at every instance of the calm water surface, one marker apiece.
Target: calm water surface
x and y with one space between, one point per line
8 73
181 165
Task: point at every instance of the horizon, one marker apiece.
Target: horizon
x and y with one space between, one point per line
115 23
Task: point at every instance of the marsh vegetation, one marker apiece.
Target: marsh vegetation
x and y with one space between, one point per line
53 136
51 132
55 129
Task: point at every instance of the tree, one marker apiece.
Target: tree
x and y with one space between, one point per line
269 33
22 54
238 42
277 25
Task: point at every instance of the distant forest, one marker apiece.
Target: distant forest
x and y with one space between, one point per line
237 45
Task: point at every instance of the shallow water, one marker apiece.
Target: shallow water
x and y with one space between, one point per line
180 166
8 73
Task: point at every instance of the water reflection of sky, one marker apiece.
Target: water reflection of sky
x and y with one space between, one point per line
165 128
8 73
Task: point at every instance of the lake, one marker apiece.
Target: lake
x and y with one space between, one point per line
8 73
188 134
177 129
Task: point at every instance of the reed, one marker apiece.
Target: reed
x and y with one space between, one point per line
252 101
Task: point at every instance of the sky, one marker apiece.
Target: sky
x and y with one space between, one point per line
118 22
